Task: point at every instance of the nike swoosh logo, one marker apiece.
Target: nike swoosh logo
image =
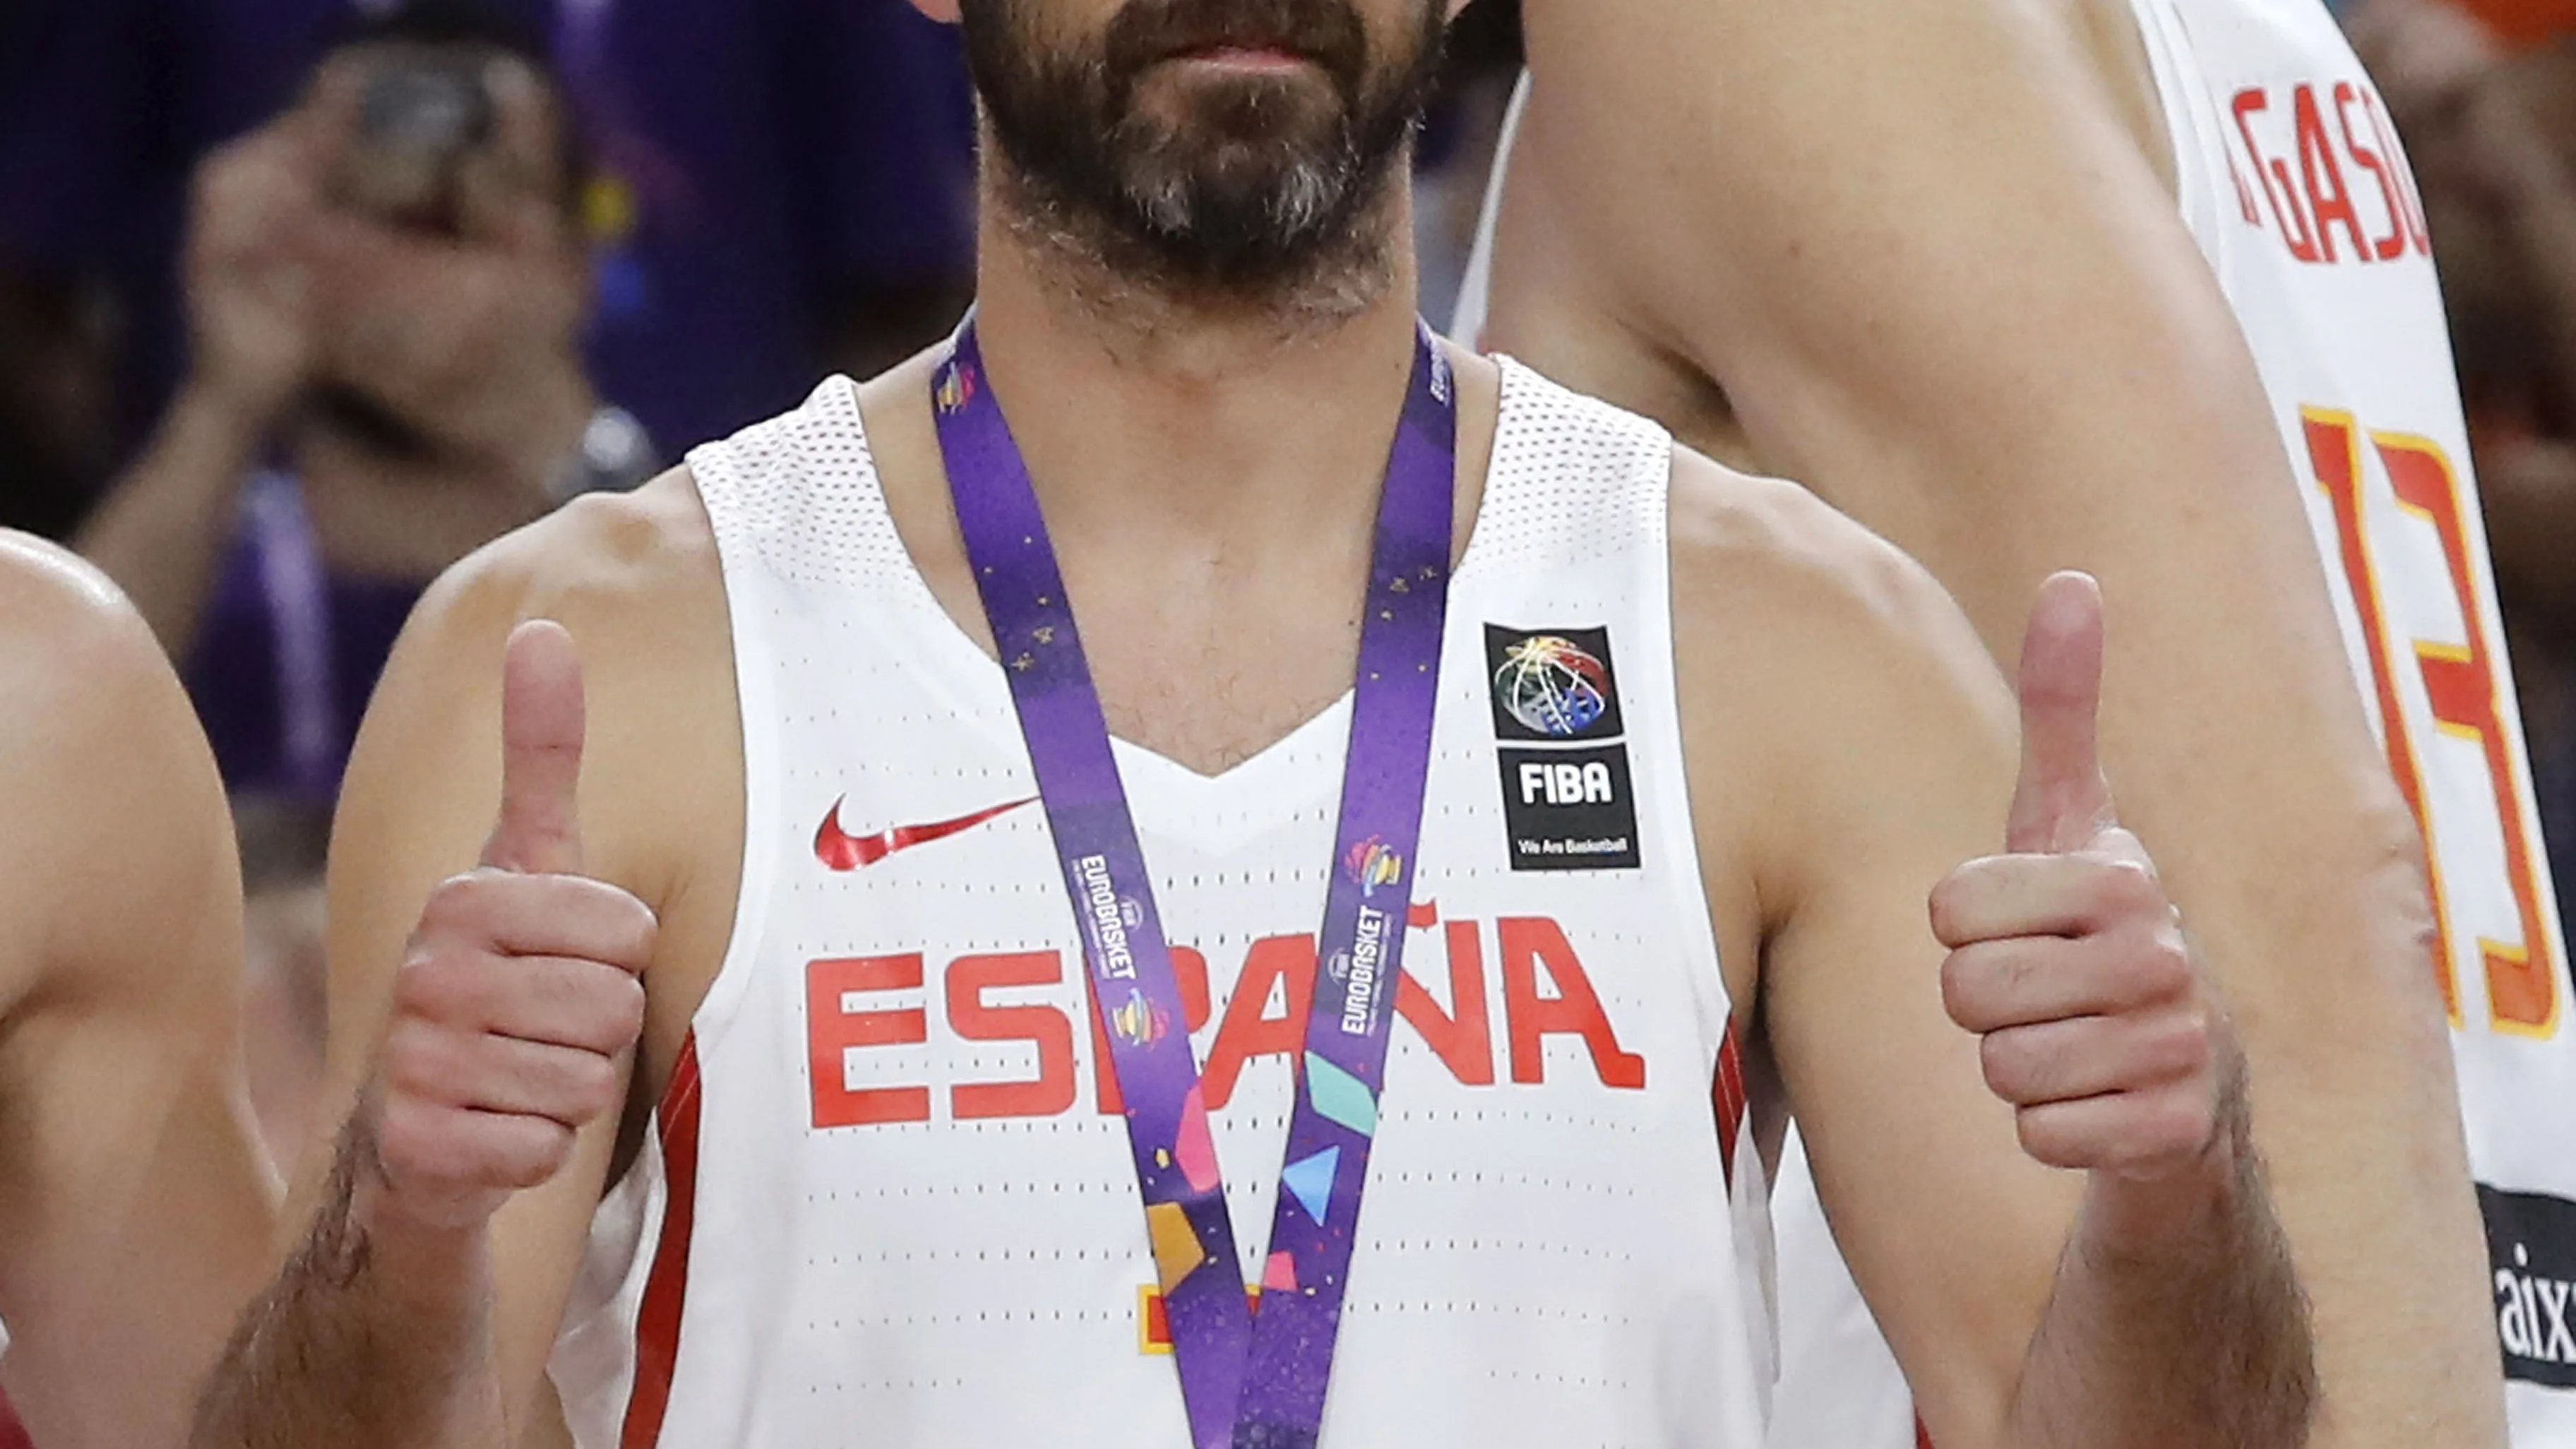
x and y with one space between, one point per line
841 851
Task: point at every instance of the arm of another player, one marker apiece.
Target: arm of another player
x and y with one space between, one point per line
136 1207
1926 251
481 1045
2150 1302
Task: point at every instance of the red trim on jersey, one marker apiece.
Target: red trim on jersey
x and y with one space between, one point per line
657 1322
1922 1434
1728 1092
13 1435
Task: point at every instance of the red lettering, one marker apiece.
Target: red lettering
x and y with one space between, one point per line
2418 235
832 1031
2275 176
2244 194
1189 969
2329 200
2463 684
969 977
1460 1038
1248 1031
1527 943
2391 193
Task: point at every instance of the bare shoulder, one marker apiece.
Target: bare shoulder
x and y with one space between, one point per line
637 580
635 577
88 705
622 563
69 642
1765 570
99 751
1820 672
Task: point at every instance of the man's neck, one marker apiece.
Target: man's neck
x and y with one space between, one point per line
1163 418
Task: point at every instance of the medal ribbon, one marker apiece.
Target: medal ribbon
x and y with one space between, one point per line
1250 1380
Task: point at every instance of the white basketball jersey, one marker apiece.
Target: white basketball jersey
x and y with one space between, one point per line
2295 185
890 1201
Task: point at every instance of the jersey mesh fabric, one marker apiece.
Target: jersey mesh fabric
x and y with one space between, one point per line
913 1219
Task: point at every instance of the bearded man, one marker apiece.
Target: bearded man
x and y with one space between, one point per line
1198 707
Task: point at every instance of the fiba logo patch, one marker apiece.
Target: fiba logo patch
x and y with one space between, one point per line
1568 802
1553 686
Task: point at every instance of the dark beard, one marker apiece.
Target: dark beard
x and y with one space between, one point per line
1249 190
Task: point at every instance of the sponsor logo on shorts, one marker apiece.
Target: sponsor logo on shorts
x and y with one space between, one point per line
2531 1249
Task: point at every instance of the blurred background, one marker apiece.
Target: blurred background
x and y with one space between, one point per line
301 300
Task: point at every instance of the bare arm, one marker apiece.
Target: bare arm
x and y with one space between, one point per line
484 1041
135 1204
164 525
1926 253
2093 1259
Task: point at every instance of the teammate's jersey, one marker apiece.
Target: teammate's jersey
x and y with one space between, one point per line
2292 180
890 1200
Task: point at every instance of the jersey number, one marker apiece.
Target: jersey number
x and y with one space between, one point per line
2464 683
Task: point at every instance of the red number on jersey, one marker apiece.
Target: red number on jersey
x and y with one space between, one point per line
2465 687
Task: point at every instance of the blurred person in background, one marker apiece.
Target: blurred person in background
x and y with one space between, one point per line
387 287
734 257
136 1209
2486 96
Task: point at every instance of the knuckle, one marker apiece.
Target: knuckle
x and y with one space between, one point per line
1959 993
456 904
2160 965
2178 1123
547 1146
2044 1136
447 986
627 1020
412 1144
2127 886
2183 1047
632 933
590 1087
2008 1065
416 1061
1946 908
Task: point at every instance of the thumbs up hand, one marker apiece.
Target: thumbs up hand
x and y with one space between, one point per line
519 995
2065 954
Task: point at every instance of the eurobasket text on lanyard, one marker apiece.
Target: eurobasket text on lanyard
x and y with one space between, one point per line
1250 1379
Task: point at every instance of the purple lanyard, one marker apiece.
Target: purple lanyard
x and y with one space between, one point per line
297 589
1252 1380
